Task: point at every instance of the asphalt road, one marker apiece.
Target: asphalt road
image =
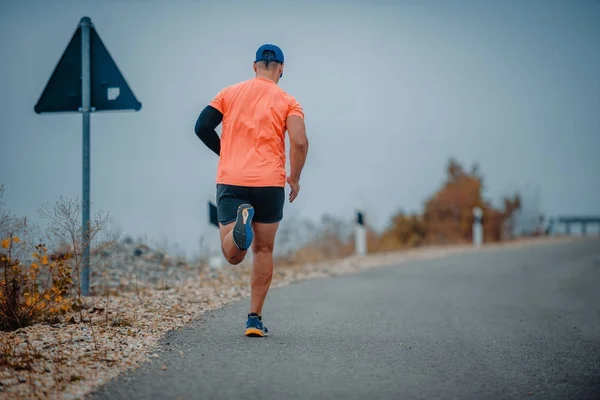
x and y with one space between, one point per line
495 324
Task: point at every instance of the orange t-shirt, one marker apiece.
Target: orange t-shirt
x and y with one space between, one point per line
253 133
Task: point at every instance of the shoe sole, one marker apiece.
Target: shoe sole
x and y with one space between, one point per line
242 231
252 332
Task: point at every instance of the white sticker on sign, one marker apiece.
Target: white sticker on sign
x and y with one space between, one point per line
113 93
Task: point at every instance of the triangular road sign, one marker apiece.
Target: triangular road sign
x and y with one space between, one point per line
109 90
63 90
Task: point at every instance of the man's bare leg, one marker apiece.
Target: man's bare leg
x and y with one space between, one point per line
262 264
232 254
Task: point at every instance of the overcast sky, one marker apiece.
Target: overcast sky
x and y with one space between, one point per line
391 90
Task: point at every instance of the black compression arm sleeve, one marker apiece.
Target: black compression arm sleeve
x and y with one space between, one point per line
207 121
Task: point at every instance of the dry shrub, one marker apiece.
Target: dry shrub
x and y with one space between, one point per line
40 282
31 292
65 233
333 239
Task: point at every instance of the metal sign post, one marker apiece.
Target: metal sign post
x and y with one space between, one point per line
85 80
85 110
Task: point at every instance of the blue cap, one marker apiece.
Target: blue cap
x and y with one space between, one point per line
261 57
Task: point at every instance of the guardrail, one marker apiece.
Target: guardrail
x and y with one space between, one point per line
584 221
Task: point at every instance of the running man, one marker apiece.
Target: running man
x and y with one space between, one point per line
251 172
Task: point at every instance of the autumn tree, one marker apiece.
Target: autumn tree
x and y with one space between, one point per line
448 214
447 218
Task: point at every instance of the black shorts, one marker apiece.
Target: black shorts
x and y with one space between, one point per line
266 201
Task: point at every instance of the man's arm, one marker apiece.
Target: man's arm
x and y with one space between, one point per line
298 146
207 121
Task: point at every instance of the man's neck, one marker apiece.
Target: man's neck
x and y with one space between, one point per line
266 76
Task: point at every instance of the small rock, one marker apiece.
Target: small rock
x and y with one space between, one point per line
164 367
22 379
85 320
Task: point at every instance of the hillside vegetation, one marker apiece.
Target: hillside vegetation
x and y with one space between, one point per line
446 218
